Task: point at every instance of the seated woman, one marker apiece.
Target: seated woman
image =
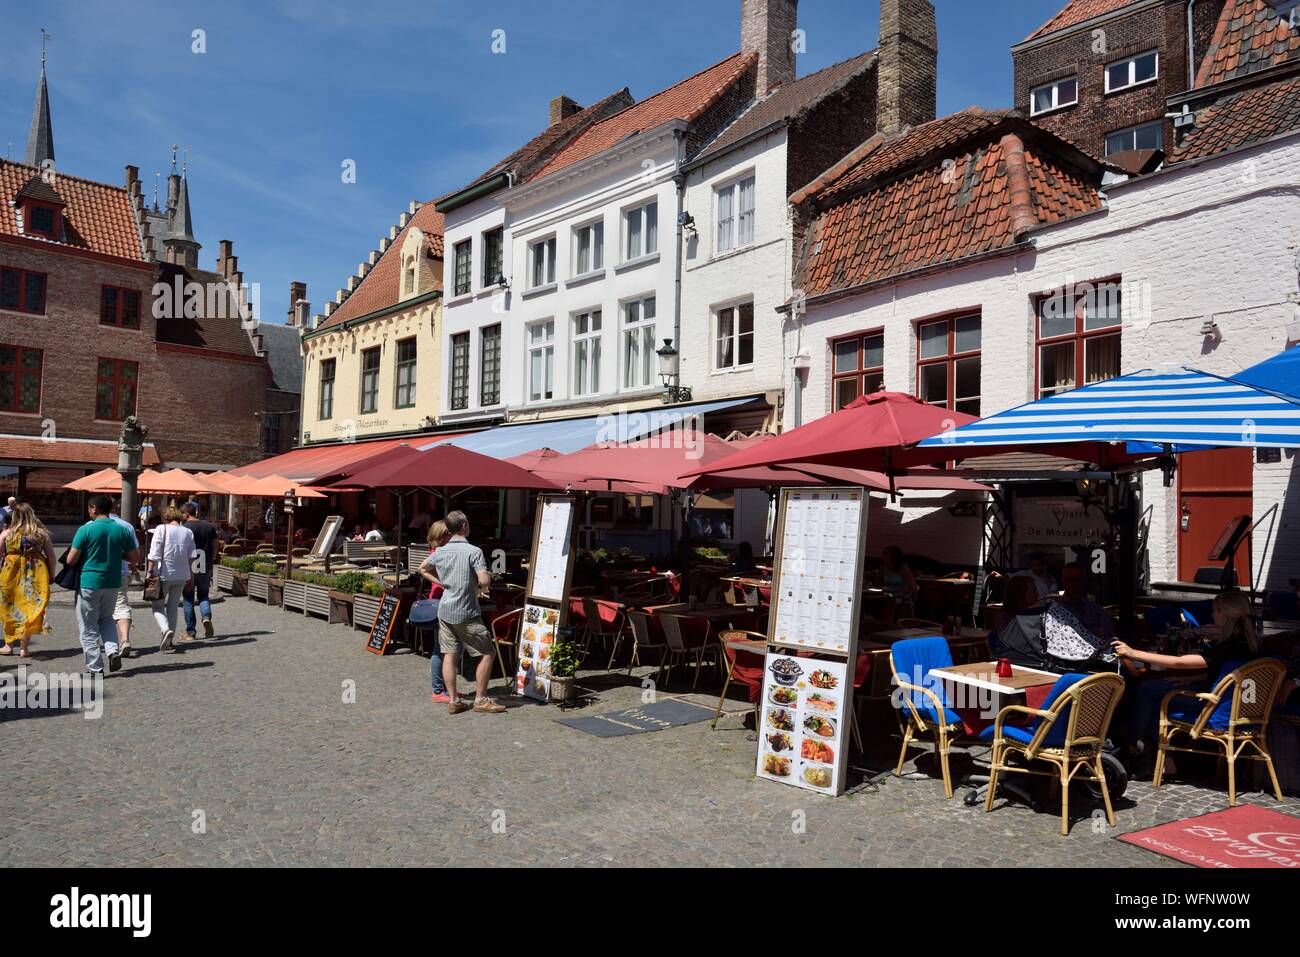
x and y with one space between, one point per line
1235 640
895 577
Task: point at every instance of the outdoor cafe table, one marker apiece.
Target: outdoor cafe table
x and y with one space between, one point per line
978 676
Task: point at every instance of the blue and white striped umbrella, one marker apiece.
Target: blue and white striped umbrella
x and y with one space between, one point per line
1174 407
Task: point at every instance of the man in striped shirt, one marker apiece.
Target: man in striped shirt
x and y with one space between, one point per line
461 570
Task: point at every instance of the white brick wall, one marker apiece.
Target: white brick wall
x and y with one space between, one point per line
1219 240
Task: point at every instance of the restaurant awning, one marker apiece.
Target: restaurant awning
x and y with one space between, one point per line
312 464
570 435
1178 408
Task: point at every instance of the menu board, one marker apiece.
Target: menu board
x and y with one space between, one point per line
548 573
819 572
536 641
381 632
803 736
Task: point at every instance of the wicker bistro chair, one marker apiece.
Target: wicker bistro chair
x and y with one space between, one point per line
1070 733
643 639
505 632
1234 716
921 702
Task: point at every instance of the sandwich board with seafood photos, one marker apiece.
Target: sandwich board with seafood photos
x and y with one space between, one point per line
546 608
812 638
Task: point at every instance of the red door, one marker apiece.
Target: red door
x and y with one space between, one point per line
1213 489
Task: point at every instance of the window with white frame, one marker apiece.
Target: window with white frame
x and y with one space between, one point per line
589 248
586 353
1053 96
541 257
639 358
735 214
1148 136
734 337
1132 71
641 231
541 361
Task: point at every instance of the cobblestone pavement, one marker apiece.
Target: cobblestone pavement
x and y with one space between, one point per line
252 733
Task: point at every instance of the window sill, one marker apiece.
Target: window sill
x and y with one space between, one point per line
114 325
539 291
24 314
636 263
1056 109
585 278
1132 86
733 252
463 298
734 370
24 415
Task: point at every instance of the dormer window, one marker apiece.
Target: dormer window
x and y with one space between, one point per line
41 219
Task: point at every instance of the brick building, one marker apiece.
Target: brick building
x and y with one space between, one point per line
92 330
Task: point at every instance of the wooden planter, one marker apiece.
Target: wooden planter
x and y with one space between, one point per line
364 610
259 587
319 600
229 581
274 591
341 602
295 596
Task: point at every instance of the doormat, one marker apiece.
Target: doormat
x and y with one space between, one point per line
651 717
1242 836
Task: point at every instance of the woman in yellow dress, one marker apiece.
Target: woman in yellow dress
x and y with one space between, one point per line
28 556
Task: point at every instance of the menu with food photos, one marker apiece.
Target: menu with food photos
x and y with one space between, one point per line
803 733
552 560
536 641
818 574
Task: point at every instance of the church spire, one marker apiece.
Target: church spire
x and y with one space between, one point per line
182 227
40 141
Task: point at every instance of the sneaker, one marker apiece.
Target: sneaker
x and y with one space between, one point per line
166 643
128 651
187 637
207 628
115 661
456 707
441 697
488 706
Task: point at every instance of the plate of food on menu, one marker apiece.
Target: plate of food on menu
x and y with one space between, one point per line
823 679
551 616
817 777
548 637
775 766
779 741
820 702
780 719
526 651
811 750
783 697
532 614
819 726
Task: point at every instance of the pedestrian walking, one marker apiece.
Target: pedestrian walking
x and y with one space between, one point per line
460 569
170 552
122 606
438 537
99 547
205 556
28 556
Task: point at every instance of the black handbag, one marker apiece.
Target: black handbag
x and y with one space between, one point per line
69 576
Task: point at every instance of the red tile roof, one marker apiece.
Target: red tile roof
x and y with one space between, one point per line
525 161
1250 37
956 187
1240 119
1076 12
686 100
73 451
380 289
97 216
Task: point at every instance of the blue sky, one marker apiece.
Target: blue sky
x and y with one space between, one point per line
408 89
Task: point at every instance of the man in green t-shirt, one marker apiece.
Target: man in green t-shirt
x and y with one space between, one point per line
100 547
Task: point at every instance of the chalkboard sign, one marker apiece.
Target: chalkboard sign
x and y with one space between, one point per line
382 631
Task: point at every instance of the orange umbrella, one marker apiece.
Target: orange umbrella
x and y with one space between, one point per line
90 483
179 480
273 486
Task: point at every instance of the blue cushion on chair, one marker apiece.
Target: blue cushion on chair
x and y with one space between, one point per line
914 659
1188 709
1055 738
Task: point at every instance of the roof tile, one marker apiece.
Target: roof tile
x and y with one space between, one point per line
1250 37
1242 118
1076 12
97 217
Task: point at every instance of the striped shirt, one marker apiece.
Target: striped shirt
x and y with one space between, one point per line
457 564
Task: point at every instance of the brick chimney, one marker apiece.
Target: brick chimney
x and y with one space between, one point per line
767 28
299 307
909 64
562 107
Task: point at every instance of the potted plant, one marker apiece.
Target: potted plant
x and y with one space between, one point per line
565 660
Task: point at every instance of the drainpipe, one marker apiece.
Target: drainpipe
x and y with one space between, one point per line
1191 44
679 180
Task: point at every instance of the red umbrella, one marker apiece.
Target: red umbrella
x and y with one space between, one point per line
868 433
548 464
441 466
666 460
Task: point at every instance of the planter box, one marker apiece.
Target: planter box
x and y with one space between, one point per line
342 604
319 600
295 595
262 587
227 580
364 610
